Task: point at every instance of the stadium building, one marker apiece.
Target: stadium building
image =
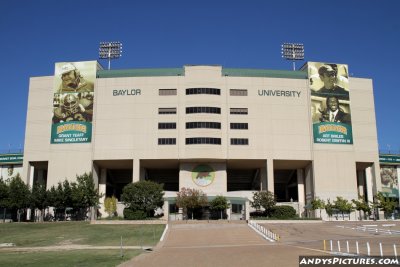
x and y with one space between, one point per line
225 131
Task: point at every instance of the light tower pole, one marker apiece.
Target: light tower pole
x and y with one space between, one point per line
292 51
110 50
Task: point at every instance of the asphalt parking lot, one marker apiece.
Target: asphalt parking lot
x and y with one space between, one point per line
236 244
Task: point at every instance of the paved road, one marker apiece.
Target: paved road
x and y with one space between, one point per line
219 244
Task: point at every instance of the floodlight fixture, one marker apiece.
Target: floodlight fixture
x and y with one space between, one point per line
110 50
293 51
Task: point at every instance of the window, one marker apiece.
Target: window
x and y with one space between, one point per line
203 124
167 141
239 141
167 125
239 126
214 110
167 111
239 111
203 140
238 92
237 208
202 91
166 91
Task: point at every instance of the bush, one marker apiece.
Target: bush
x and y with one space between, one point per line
130 214
283 212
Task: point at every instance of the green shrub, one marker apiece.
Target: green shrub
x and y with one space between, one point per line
283 212
130 214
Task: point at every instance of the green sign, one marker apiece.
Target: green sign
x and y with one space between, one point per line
332 133
11 158
71 132
389 159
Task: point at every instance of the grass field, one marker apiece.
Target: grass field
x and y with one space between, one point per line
98 258
74 233
81 233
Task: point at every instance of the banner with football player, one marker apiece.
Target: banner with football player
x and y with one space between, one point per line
330 103
73 102
390 182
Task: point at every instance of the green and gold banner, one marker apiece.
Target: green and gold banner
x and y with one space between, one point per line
389 180
330 103
73 102
11 158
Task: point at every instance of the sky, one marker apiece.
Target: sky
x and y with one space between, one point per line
34 35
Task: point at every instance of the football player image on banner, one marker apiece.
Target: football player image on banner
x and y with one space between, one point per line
330 103
390 182
73 102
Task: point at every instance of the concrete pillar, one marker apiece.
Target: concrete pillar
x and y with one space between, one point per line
102 184
136 171
264 179
31 173
361 182
270 175
247 210
166 210
398 179
308 182
300 191
369 180
228 211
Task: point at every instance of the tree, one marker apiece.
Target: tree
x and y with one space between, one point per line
220 203
189 198
39 199
265 199
362 205
110 205
316 204
386 204
144 196
4 197
84 194
19 195
329 207
343 205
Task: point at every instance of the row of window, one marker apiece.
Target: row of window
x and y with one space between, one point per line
203 140
208 91
201 91
214 110
203 124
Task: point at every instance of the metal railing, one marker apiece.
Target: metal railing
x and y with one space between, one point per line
264 232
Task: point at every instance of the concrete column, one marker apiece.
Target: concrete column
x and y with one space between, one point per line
308 182
247 210
166 210
300 191
31 173
228 211
398 179
361 182
136 171
102 184
369 180
264 179
270 175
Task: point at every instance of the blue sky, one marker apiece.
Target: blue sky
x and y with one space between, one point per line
247 34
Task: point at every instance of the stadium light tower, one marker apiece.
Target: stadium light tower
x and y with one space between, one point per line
292 51
110 50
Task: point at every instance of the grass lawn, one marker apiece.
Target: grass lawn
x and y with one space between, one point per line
98 258
82 233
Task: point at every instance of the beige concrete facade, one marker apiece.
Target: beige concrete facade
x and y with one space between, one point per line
125 134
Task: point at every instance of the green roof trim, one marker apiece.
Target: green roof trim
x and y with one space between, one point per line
264 73
140 73
181 72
